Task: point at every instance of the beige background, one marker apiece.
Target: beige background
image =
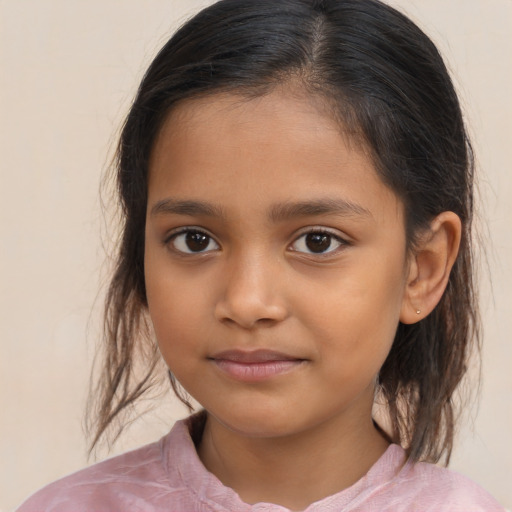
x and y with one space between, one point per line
68 72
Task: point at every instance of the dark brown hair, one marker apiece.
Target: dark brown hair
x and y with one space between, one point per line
384 79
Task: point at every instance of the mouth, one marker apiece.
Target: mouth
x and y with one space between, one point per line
253 366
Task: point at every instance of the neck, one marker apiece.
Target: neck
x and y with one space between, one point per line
296 470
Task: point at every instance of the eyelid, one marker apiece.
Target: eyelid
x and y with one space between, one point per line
174 233
335 234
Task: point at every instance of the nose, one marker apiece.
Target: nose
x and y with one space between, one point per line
252 295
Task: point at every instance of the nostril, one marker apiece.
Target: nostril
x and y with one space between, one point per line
251 295
250 315
249 324
265 321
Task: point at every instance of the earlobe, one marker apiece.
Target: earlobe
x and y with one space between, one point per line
430 266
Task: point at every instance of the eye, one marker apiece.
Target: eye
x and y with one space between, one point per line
192 241
317 242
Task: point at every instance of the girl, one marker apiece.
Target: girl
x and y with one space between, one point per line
296 185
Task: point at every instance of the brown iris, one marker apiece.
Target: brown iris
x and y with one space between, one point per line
197 241
318 242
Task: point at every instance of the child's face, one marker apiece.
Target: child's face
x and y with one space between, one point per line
275 263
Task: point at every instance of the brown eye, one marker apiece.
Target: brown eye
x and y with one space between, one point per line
197 242
192 241
317 242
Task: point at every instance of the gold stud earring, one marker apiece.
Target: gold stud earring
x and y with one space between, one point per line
418 311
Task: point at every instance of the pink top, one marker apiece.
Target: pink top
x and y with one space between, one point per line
168 476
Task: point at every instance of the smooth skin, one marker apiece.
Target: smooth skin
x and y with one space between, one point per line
267 229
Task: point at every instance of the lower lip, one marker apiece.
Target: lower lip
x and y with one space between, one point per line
253 372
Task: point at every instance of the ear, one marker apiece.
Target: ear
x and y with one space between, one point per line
430 266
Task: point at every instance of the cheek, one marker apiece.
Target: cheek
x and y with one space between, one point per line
175 318
355 314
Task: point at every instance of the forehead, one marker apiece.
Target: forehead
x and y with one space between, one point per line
298 115
283 145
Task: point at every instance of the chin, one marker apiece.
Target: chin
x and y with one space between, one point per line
257 425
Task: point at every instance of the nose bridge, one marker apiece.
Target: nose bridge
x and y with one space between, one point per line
252 292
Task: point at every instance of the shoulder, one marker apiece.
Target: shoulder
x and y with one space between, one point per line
432 488
132 481
394 484
100 486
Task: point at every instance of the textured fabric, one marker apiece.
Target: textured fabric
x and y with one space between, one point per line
169 476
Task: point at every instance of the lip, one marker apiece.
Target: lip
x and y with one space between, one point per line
254 366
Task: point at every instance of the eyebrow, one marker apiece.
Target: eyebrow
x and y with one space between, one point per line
278 212
326 206
191 208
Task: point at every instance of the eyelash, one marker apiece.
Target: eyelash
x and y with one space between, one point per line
171 239
188 231
323 232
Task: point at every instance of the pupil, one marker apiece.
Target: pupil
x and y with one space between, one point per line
197 241
318 242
